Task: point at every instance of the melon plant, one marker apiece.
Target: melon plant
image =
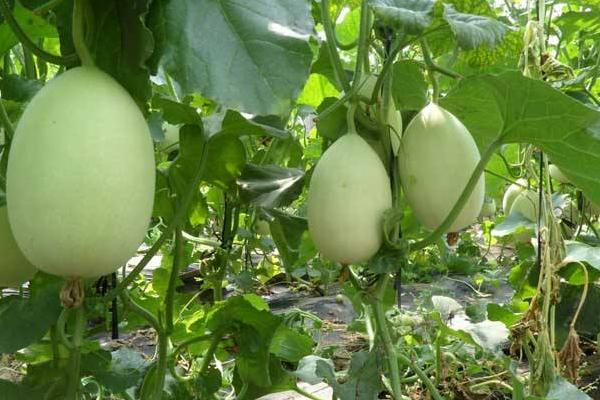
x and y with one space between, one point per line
557 174
80 182
15 269
349 192
511 194
437 158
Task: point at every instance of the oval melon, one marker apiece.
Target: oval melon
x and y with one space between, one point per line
81 173
437 157
511 194
15 269
527 204
349 192
557 174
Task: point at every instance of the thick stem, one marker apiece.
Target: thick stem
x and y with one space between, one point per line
170 297
363 46
386 338
78 32
69 60
161 365
74 384
431 71
29 67
338 68
177 219
461 200
422 376
207 360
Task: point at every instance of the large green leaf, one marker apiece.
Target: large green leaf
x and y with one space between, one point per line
252 56
574 23
270 186
121 43
33 25
412 16
509 108
29 319
409 86
473 30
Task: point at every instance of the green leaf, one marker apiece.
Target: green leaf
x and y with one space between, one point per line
125 370
287 231
503 314
515 222
333 125
561 389
176 113
253 329
29 319
362 381
290 345
270 186
250 56
412 16
409 86
473 30
19 89
16 391
307 369
235 124
578 23
121 43
581 252
511 108
317 88
33 25
348 29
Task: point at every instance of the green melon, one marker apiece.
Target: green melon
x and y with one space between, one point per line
80 183
527 204
15 269
348 195
437 157
511 194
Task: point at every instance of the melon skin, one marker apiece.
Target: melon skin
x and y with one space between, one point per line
526 203
348 195
557 174
511 194
15 269
81 176
437 157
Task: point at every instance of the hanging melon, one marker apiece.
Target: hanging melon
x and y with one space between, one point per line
437 157
80 182
511 194
348 195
